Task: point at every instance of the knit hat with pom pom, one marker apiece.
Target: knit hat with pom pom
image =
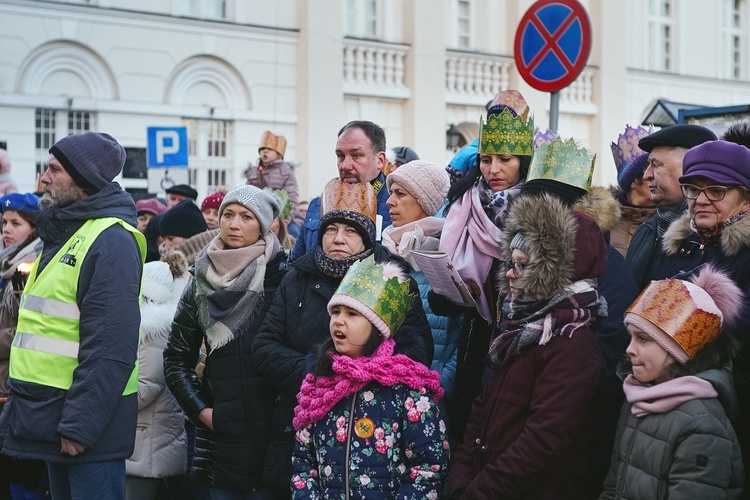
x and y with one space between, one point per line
163 281
683 316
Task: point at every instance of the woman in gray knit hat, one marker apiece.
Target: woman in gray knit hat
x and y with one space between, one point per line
236 275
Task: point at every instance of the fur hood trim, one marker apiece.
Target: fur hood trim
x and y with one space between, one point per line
734 238
156 322
549 229
601 205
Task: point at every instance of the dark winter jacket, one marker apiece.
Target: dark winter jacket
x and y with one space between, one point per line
730 252
404 456
643 247
532 429
308 236
688 452
233 455
93 411
294 327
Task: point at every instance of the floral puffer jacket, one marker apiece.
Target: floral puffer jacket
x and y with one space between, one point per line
381 442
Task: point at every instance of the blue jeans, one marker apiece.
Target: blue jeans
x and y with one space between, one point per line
96 480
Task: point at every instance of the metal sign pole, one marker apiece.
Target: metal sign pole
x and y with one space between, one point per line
554 110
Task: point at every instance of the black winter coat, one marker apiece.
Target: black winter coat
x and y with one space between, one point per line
231 456
296 325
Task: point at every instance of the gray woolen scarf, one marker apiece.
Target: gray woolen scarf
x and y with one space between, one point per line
225 311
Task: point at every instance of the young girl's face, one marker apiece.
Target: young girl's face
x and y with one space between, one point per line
350 330
268 155
649 360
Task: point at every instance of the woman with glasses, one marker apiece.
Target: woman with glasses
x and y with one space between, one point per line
531 431
716 230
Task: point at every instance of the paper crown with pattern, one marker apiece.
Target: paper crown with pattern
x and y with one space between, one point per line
680 309
380 292
626 147
507 132
563 161
272 141
358 197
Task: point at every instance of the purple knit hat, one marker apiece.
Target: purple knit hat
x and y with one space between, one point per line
725 163
92 159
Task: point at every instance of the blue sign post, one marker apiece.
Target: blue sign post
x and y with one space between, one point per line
552 45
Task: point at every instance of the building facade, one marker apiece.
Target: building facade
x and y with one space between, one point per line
230 69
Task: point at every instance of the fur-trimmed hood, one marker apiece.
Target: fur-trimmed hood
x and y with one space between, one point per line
564 245
734 238
549 230
600 205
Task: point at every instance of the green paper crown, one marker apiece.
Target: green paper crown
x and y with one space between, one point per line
563 162
388 298
505 134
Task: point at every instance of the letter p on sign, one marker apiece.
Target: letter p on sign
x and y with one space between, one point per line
167 147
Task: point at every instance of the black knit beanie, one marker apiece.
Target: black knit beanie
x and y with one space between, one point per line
565 192
184 220
363 224
92 159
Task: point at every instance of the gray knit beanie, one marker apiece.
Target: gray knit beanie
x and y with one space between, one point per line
519 242
262 204
92 159
427 182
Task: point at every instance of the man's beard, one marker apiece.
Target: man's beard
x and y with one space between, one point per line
62 197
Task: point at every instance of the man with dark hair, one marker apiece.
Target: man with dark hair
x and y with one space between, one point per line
666 148
73 362
360 153
738 133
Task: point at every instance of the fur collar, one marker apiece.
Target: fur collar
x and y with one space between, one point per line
734 238
549 228
600 205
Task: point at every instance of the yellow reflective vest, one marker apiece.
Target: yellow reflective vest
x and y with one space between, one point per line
45 348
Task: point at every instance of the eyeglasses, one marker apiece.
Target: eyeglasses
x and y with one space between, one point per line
713 193
518 267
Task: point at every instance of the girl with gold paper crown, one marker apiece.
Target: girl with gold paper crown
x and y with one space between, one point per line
674 438
367 422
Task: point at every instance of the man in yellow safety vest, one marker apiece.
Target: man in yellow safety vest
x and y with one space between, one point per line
73 361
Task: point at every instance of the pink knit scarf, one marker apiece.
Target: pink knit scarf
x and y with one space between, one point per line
472 240
319 394
663 397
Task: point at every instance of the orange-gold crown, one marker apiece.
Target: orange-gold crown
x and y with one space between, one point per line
358 197
673 306
272 141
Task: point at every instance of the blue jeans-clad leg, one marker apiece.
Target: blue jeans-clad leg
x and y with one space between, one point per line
97 480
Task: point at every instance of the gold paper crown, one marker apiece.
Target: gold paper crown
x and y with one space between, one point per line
669 305
563 162
271 141
358 197
387 297
505 134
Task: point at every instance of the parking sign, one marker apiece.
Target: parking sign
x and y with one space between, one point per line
167 147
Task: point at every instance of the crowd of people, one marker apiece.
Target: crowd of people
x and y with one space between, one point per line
257 346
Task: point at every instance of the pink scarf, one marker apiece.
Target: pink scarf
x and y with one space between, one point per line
661 398
319 394
472 241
